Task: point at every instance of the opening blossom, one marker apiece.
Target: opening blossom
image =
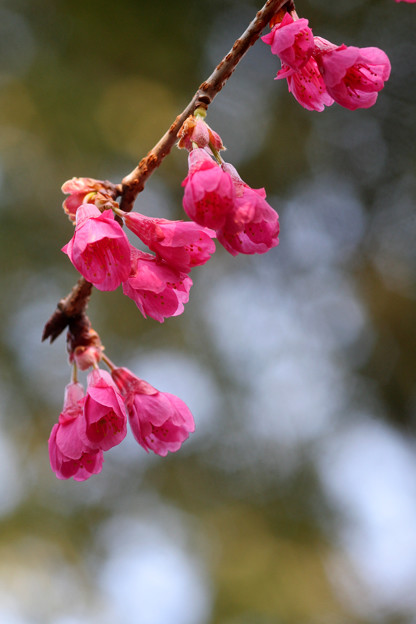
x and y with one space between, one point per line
353 76
157 289
160 421
253 225
182 244
209 191
104 412
69 455
307 86
292 41
99 249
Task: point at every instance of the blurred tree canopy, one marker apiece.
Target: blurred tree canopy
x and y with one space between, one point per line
294 502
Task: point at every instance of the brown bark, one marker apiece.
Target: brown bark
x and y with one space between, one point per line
72 306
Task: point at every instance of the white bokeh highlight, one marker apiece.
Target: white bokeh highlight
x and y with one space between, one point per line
150 575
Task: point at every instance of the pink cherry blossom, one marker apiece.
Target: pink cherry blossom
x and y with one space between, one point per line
157 289
195 131
104 412
307 86
292 41
99 249
101 193
183 245
209 192
83 343
68 453
353 76
160 421
253 226
408 1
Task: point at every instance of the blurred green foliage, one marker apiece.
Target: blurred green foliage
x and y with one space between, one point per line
86 89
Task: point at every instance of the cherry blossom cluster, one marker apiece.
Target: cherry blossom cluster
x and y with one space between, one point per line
220 205
95 420
216 197
158 283
319 73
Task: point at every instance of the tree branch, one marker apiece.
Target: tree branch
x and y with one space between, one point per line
71 306
76 301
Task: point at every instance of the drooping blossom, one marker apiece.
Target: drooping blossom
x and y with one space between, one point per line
209 191
307 85
183 245
157 289
253 225
292 41
69 455
101 193
104 412
160 421
353 76
99 249
243 220
196 132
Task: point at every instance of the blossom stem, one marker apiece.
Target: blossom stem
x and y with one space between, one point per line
107 361
216 154
118 212
74 373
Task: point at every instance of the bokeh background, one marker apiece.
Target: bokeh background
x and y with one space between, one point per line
295 500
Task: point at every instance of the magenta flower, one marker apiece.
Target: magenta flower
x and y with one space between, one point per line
101 193
195 131
99 249
104 412
408 1
307 86
69 455
253 226
243 220
160 421
157 289
292 41
353 76
209 192
183 245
